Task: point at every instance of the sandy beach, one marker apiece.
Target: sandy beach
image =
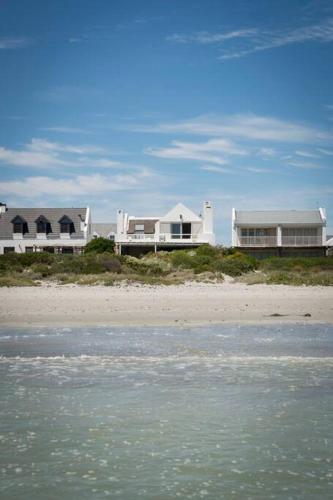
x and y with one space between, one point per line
190 304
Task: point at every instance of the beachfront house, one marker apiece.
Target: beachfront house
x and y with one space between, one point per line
103 230
179 228
54 230
280 232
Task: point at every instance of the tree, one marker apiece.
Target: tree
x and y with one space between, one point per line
99 245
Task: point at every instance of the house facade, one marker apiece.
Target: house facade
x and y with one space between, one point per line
103 230
54 230
279 232
179 228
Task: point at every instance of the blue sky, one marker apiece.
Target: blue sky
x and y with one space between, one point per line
141 104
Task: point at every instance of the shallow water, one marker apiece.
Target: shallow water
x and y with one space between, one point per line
219 412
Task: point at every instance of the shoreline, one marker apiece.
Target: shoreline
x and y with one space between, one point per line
191 304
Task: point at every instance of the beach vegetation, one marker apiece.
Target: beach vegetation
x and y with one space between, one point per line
206 264
99 245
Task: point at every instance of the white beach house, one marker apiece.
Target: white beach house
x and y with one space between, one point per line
54 230
179 228
280 232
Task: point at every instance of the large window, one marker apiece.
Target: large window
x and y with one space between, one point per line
181 230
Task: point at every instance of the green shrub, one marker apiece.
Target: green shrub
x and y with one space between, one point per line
99 245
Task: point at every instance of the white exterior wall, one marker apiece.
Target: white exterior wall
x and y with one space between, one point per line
20 244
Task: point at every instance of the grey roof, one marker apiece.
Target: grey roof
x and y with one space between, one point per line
275 217
52 214
149 225
103 229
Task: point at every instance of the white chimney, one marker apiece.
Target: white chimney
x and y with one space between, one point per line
3 208
207 217
120 221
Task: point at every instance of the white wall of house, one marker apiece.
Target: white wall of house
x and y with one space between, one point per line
20 245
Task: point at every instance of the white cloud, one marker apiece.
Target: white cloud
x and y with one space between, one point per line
326 152
218 170
243 42
11 43
45 145
41 154
213 151
66 130
81 185
305 165
306 154
246 126
205 38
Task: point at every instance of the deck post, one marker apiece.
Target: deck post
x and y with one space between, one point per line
279 236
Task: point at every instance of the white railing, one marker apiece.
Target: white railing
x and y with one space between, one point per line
161 238
301 241
141 237
184 238
258 241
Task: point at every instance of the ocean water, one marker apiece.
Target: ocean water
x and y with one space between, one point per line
234 412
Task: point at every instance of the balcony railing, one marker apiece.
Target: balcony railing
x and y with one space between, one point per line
258 241
162 238
301 241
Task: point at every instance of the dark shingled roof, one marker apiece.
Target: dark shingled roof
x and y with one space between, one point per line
149 225
53 215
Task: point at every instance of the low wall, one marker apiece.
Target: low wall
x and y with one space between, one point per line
264 253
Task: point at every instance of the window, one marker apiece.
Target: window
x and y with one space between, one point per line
66 225
175 231
181 230
8 249
139 227
29 249
19 225
43 226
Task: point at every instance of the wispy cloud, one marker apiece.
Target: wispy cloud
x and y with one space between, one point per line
206 38
43 154
12 43
306 154
247 126
81 185
242 42
66 130
305 165
213 151
327 152
218 170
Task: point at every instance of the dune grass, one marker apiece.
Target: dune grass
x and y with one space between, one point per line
204 264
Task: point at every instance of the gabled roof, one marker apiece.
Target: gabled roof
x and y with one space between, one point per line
18 220
180 213
65 220
103 229
43 219
276 217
